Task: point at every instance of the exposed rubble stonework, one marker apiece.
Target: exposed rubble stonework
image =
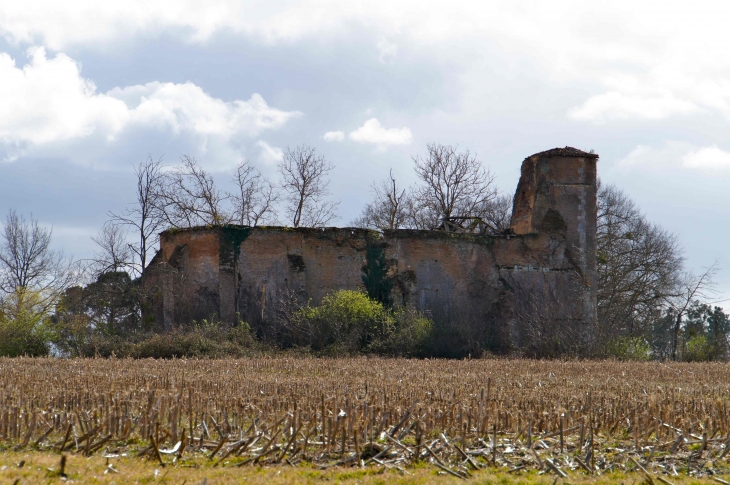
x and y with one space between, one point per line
505 291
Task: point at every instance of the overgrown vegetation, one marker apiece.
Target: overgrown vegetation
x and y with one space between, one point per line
25 329
628 348
349 322
375 275
104 319
206 339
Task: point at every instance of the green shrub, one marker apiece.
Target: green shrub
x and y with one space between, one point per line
350 322
410 337
26 334
697 349
24 328
629 348
345 322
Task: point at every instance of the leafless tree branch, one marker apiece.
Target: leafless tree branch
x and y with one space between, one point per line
27 262
389 208
188 197
639 266
113 252
254 201
452 184
144 216
304 180
693 287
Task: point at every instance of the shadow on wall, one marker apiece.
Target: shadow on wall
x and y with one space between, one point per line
545 321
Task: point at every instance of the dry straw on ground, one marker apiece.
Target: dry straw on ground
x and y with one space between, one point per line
561 418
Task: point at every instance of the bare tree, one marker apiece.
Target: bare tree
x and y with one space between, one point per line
453 185
303 175
639 267
692 288
188 197
497 213
27 262
144 217
389 208
255 198
113 252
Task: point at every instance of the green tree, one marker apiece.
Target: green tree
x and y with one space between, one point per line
106 308
25 327
704 333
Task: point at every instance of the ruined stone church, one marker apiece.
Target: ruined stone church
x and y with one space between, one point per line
503 287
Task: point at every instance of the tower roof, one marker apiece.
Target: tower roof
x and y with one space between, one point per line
565 152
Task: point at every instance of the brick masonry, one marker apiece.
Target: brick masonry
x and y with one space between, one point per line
497 286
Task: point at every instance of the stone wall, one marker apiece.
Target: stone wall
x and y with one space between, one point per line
493 292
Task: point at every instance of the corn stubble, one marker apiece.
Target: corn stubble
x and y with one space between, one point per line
558 417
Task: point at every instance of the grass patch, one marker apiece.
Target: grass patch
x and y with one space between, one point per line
43 467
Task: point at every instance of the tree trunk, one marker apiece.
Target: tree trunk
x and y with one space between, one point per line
675 336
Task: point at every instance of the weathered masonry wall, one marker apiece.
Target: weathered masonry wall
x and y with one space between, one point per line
498 286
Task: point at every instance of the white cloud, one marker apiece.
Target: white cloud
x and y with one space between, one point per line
373 132
269 153
653 63
677 155
59 25
334 136
388 50
666 154
710 157
649 64
48 101
186 107
613 106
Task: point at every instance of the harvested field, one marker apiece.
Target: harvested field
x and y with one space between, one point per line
563 419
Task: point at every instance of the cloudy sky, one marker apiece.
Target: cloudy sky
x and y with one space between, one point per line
88 88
